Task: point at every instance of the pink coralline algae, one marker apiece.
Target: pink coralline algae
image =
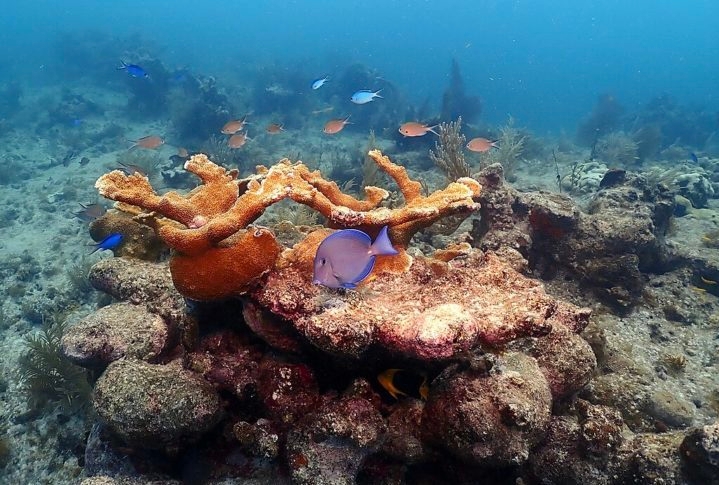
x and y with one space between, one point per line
433 312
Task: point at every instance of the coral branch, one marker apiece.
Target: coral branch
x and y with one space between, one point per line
411 189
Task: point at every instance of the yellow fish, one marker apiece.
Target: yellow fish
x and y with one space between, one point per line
386 379
394 379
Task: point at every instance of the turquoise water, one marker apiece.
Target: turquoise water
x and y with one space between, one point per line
570 90
543 62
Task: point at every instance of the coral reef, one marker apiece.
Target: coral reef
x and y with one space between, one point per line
117 331
150 284
620 235
216 255
455 307
155 406
517 347
494 419
330 444
282 384
584 177
138 240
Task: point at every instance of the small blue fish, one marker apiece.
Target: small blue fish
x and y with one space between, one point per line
110 242
364 96
694 158
347 257
133 69
320 82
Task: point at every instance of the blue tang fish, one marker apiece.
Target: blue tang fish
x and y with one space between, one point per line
133 69
347 257
320 82
364 96
110 242
694 158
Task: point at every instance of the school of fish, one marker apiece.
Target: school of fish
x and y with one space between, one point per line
345 258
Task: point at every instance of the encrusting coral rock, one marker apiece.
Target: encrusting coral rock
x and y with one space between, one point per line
138 240
432 312
207 227
155 406
329 445
493 419
141 282
116 331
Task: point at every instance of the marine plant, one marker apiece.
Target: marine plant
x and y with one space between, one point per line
692 126
198 108
510 146
216 149
298 215
648 139
76 275
657 175
448 153
47 375
674 362
148 97
371 174
146 162
617 149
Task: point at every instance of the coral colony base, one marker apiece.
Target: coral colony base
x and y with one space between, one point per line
227 362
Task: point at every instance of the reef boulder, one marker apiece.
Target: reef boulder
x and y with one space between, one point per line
155 406
489 420
116 331
330 445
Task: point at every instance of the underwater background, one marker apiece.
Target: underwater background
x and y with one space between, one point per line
591 128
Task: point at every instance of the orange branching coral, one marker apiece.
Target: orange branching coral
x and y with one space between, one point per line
212 217
218 192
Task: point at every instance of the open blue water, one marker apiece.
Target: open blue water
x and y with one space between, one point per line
544 62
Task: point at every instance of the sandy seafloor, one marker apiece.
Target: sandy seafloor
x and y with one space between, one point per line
42 240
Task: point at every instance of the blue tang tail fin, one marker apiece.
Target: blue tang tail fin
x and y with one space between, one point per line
382 246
